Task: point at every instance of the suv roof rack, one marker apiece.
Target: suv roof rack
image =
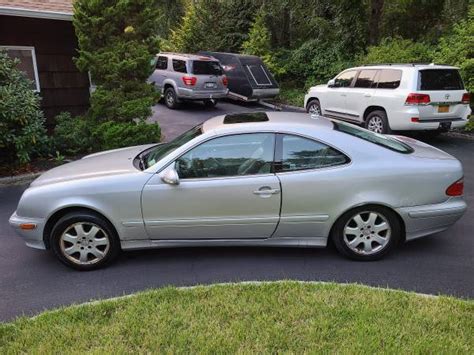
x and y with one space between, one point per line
401 64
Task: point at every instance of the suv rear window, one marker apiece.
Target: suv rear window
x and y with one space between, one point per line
440 79
206 67
379 139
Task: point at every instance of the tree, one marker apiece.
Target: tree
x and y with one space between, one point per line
22 131
376 7
259 43
398 50
457 48
117 42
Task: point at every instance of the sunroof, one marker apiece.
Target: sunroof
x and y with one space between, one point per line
246 117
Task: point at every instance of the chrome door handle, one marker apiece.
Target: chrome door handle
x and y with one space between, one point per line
344 95
367 95
267 192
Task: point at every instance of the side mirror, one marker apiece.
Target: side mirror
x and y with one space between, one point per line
331 83
170 176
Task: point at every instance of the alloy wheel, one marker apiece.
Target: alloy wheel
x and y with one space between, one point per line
375 124
170 98
84 243
314 109
367 233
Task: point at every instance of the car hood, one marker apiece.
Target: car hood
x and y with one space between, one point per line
110 162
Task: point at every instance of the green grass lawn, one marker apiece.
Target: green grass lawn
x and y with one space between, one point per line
252 318
291 95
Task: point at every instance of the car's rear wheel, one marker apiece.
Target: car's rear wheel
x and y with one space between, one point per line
84 241
367 233
171 100
210 103
314 107
377 122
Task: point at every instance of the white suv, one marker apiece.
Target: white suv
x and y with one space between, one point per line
394 97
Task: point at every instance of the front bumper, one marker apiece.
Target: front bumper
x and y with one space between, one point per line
33 237
428 219
190 94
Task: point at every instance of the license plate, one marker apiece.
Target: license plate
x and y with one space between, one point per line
444 125
443 108
210 85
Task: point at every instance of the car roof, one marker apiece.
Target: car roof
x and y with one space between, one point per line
186 56
266 121
404 66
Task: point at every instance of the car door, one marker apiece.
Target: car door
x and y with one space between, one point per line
361 95
335 101
226 190
314 179
159 74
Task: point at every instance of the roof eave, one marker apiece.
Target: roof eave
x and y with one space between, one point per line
48 15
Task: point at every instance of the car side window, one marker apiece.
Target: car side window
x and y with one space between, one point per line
179 66
389 79
235 155
365 79
345 79
162 63
299 153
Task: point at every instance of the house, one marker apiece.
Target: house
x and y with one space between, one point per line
40 33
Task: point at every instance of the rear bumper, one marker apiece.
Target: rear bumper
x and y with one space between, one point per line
190 94
428 219
34 237
401 120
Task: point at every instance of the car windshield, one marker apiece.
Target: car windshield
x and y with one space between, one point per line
206 67
376 138
154 155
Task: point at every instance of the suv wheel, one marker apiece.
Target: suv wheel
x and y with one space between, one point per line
366 233
210 103
84 241
171 100
314 107
377 122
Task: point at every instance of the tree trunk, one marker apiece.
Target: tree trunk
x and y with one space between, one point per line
376 8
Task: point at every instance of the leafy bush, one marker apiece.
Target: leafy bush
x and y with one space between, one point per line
117 42
398 50
457 48
22 131
73 135
111 135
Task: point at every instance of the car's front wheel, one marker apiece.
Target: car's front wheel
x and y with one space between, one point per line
314 107
367 233
84 241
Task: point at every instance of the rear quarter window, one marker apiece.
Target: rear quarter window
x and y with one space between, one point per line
179 66
379 139
439 79
389 79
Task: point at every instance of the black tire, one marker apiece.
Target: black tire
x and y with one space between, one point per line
393 237
377 122
171 99
210 103
106 230
314 107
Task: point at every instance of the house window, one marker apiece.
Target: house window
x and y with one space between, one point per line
27 64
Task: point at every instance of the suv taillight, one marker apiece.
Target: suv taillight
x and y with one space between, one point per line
417 99
225 81
466 98
456 189
189 80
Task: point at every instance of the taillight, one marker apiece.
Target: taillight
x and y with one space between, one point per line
417 99
466 98
189 80
225 81
456 189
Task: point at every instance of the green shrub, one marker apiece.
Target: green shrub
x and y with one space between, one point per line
398 50
111 135
73 135
457 48
117 42
22 131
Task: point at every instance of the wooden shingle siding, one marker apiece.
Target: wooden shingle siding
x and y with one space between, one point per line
62 86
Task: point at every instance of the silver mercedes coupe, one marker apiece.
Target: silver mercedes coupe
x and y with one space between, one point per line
254 179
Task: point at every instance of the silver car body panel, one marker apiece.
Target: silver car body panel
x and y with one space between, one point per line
146 212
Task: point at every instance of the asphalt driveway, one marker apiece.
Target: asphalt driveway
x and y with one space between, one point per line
32 280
